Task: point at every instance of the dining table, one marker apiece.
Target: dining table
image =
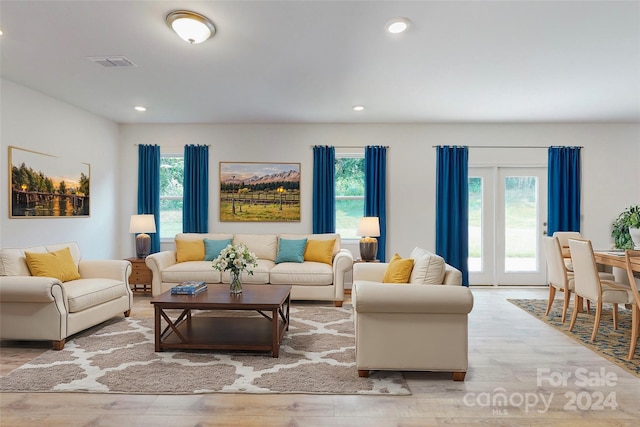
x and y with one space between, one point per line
616 259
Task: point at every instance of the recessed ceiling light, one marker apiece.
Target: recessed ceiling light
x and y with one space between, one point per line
397 25
358 108
139 108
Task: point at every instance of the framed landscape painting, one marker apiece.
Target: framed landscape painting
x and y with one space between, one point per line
259 192
42 185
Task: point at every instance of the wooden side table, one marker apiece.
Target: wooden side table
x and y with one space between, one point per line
141 276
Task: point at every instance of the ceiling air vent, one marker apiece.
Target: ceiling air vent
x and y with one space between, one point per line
112 61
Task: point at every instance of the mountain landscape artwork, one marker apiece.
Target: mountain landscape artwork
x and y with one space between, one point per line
259 192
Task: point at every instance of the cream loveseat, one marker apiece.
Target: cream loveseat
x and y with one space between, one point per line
310 280
417 326
47 308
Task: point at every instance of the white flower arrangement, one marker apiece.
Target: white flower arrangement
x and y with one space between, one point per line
236 258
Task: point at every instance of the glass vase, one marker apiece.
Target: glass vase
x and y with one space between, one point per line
236 283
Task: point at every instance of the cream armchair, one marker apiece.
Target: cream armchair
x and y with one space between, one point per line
414 326
44 308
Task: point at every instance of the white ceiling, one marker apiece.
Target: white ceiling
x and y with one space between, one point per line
311 61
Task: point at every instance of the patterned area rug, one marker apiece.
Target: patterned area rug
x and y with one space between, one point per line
317 355
610 343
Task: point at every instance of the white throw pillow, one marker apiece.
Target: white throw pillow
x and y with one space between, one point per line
428 268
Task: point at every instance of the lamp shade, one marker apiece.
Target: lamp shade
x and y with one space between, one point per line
142 224
190 26
369 226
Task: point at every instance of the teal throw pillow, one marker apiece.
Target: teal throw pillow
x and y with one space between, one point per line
291 250
212 248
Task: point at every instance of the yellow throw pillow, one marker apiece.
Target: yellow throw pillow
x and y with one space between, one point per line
189 250
398 270
58 264
320 251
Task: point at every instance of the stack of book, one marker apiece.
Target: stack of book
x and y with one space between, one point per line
189 288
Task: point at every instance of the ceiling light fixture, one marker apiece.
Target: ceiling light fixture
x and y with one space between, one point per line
190 26
358 108
139 108
397 25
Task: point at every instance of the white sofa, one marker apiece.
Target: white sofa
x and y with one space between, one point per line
418 326
310 280
45 308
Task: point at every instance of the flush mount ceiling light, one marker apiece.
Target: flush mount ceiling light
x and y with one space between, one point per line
358 108
397 25
140 108
190 26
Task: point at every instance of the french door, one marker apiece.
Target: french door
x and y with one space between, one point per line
507 217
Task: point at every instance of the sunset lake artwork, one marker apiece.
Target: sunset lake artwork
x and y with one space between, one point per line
43 185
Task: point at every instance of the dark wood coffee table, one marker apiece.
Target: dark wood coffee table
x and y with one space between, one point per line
220 332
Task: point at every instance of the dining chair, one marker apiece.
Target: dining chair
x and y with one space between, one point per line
635 314
557 274
563 238
588 285
559 277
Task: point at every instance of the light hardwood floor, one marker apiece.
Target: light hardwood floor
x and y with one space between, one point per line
507 350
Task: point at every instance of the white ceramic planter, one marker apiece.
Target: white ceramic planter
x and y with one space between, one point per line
635 236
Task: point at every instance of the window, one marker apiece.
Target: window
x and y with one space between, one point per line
171 191
349 177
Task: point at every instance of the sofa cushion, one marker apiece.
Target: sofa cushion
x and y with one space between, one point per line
291 250
398 270
189 250
58 264
307 273
260 273
14 263
264 246
199 271
87 293
428 268
317 236
319 250
212 248
73 248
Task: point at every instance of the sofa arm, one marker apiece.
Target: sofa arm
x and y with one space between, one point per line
369 271
157 263
342 262
452 276
30 289
108 269
400 298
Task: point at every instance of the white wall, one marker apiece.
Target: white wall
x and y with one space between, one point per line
610 166
33 121
37 122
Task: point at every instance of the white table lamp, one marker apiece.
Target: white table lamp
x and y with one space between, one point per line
142 224
369 229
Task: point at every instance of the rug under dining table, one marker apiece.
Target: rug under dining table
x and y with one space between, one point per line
610 343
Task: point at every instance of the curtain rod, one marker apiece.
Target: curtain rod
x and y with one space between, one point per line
352 146
503 146
172 146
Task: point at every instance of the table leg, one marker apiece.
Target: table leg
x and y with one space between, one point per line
157 327
275 330
288 307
